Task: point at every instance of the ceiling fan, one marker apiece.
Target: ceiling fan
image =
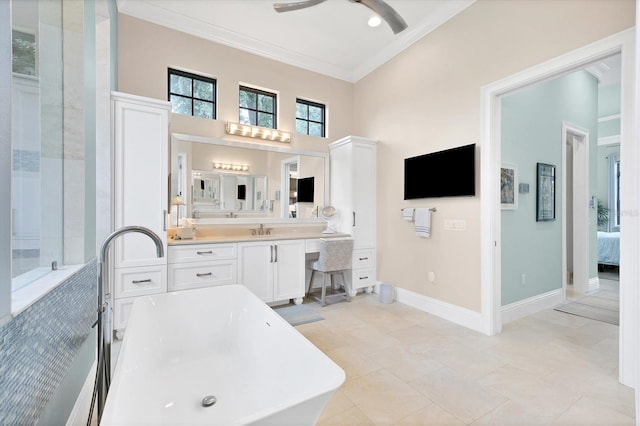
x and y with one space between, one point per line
380 7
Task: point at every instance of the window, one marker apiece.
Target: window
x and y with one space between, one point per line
257 108
192 94
310 118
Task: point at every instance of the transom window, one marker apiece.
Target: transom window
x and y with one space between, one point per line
310 118
192 94
257 108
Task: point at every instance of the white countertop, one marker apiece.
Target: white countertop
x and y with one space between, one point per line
244 238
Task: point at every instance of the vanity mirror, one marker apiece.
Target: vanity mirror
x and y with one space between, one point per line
223 181
212 192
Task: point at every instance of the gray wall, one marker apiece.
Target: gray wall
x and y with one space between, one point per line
531 133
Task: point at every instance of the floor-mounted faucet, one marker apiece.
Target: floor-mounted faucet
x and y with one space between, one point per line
103 368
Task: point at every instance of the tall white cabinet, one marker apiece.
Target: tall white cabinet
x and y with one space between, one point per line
353 194
140 132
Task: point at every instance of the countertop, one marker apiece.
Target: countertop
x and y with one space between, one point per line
244 238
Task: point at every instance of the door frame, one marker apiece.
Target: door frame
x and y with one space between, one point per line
580 222
490 239
284 184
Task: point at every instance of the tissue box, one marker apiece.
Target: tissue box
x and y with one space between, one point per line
185 233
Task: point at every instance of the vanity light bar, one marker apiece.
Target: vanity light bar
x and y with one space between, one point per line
232 167
257 132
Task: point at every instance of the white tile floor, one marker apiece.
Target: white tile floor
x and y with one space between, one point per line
407 367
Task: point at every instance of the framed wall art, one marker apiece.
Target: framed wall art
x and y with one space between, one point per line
545 192
508 187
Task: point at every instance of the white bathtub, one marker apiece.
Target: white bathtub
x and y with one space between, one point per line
222 341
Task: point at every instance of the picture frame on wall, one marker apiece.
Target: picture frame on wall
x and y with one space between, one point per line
545 192
508 187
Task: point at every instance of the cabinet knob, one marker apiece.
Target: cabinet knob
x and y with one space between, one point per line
363 258
201 253
364 278
148 280
204 274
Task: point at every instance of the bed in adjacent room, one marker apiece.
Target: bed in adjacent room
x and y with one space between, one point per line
609 248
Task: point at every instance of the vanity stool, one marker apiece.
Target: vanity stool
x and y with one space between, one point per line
335 258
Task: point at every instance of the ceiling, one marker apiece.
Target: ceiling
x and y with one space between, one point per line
331 38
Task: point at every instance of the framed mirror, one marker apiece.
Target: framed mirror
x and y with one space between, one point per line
223 180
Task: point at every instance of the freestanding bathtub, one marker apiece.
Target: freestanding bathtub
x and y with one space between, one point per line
223 341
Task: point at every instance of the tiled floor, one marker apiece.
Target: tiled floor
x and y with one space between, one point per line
406 367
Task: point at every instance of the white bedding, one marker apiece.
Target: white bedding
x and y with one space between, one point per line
609 248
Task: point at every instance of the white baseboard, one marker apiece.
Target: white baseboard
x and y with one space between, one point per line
594 284
80 412
522 308
456 314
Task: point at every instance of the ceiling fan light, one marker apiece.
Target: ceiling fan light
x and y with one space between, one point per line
374 21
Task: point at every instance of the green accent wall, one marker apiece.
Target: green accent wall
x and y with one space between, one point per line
531 132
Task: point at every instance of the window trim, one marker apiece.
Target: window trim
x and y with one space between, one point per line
273 95
323 123
193 77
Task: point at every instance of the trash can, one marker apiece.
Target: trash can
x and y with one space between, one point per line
386 293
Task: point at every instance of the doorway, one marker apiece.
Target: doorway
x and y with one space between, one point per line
491 237
576 205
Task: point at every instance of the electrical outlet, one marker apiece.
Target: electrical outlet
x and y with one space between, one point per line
431 276
523 279
455 225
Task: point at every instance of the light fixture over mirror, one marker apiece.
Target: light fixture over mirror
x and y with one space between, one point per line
230 167
257 132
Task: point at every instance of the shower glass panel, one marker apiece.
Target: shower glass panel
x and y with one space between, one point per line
37 139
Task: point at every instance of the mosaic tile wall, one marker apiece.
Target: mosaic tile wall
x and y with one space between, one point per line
37 346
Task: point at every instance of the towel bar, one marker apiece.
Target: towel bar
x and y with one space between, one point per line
432 209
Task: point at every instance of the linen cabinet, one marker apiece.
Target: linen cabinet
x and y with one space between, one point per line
140 149
353 194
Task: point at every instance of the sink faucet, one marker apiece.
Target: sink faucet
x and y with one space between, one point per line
261 230
103 369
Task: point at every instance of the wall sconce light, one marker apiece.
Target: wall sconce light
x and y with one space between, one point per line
257 132
231 167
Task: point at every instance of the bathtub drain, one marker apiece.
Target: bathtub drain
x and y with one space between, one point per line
208 401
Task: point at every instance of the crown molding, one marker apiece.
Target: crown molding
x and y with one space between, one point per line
199 28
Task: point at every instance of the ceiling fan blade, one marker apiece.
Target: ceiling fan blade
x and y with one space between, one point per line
287 7
386 12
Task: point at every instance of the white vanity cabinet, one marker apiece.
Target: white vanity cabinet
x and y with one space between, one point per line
273 270
140 141
202 265
353 194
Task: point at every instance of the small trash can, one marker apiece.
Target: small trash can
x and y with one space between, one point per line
386 293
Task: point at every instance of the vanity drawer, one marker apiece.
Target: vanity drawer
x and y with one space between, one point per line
362 278
184 276
202 252
139 281
363 259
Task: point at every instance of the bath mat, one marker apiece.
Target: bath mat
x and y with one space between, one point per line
298 314
594 307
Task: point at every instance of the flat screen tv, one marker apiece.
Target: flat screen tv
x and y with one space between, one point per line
305 190
242 192
448 173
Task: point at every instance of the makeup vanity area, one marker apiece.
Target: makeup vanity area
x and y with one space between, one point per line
232 212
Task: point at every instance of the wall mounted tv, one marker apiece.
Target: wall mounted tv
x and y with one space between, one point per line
305 190
448 173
